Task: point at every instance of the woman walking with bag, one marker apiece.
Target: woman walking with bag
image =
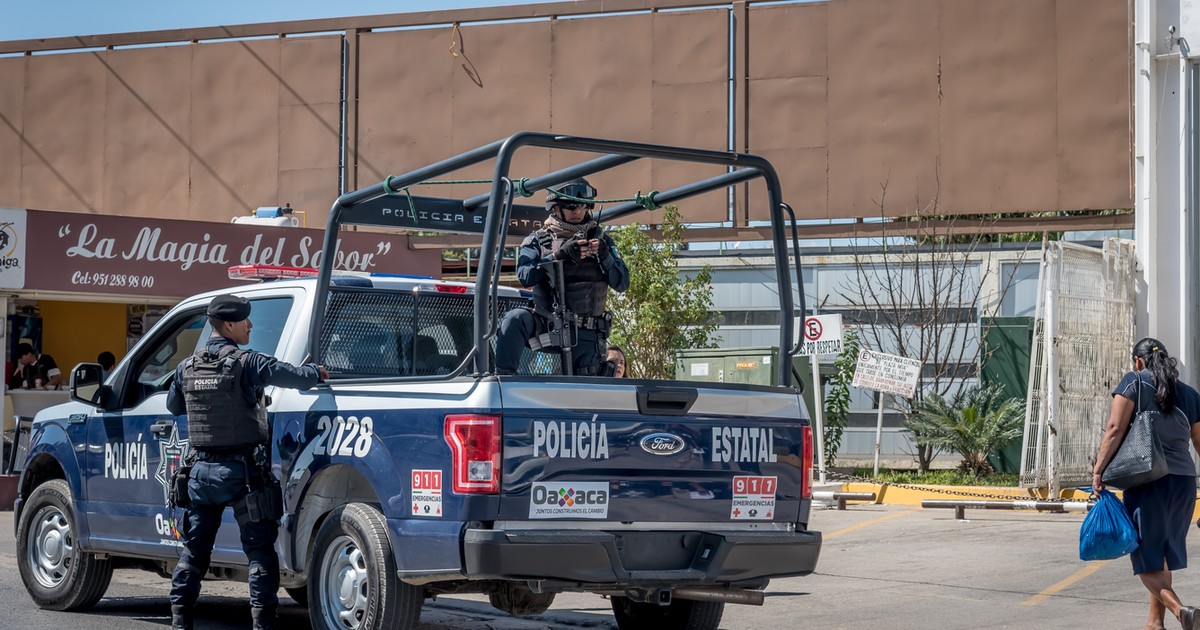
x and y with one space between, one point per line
1162 509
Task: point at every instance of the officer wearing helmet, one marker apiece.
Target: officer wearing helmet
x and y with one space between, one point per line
590 266
221 390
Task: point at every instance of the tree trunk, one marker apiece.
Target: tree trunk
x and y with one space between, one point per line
924 458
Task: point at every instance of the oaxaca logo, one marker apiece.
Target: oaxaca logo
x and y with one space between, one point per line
171 456
569 500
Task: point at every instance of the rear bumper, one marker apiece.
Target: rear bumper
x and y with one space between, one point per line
639 558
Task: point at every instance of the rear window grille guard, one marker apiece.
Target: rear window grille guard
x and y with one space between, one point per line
374 333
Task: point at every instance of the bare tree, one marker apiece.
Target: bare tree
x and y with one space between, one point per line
922 296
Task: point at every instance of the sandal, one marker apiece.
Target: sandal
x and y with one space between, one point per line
1189 618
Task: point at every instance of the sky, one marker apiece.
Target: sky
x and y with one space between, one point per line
35 19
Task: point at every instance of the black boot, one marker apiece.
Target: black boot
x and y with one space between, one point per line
181 617
264 618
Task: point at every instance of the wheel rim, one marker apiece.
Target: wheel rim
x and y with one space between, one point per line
52 547
345 589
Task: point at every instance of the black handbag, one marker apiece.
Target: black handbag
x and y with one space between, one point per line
1140 458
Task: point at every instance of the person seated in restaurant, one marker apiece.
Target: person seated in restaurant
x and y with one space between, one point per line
35 371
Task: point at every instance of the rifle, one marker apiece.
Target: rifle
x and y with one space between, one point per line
562 321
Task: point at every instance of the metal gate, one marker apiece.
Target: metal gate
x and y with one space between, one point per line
1082 335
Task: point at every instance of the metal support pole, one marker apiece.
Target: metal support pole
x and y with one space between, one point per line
1051 387
819 415
878 432
4 412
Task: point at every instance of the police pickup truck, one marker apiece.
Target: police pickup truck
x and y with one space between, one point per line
416 470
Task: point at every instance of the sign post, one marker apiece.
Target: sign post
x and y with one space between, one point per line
885 373
822 334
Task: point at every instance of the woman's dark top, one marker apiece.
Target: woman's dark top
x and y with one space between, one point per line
1174 429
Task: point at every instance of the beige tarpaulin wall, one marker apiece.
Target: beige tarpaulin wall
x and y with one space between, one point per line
984 105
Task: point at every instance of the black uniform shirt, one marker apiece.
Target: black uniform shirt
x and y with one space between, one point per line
260 370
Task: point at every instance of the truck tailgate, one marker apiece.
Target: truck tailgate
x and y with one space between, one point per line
644 452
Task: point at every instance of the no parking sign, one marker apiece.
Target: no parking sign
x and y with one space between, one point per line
819 334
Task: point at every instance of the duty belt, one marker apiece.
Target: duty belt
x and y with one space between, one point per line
594 322
600 322
223 455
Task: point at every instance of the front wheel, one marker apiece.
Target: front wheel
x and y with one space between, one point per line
57 574
680 614
353 585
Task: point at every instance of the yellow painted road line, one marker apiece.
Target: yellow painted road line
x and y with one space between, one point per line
1087 570
866 524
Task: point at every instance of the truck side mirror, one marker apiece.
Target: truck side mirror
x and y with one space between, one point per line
86 383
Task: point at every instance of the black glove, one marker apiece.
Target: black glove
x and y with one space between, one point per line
605 249
569 250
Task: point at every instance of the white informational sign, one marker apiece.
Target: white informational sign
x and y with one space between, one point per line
819 334
888 373
12 248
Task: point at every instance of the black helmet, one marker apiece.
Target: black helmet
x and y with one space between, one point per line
569 192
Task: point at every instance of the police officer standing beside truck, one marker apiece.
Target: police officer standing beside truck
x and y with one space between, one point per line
221 389
576 323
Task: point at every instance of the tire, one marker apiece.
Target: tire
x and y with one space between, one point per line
298 593
680 614
57 574
353 583
518 601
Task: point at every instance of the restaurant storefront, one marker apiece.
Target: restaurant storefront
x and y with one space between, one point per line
75 285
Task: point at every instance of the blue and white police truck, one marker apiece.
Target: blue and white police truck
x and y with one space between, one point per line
416 470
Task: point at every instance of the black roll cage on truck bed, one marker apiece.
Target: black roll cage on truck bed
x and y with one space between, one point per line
356 208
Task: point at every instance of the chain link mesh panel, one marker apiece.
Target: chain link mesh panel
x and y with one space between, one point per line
1082 341
370 332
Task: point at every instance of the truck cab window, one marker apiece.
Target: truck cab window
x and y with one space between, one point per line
154 366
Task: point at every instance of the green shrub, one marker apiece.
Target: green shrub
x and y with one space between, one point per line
940 477
837 402
977 422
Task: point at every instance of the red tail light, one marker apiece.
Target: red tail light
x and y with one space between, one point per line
806 459
475 446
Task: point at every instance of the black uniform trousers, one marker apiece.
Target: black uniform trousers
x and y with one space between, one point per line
518 326
218 481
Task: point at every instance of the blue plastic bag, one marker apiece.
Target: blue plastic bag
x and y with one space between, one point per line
1107 533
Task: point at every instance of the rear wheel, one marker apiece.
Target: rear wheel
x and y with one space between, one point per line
353 585
680 614
57 574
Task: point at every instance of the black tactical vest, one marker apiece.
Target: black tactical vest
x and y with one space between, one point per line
587 289
220 412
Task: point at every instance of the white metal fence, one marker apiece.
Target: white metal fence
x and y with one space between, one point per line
1082 337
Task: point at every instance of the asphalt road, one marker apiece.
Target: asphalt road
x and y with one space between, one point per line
882 567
